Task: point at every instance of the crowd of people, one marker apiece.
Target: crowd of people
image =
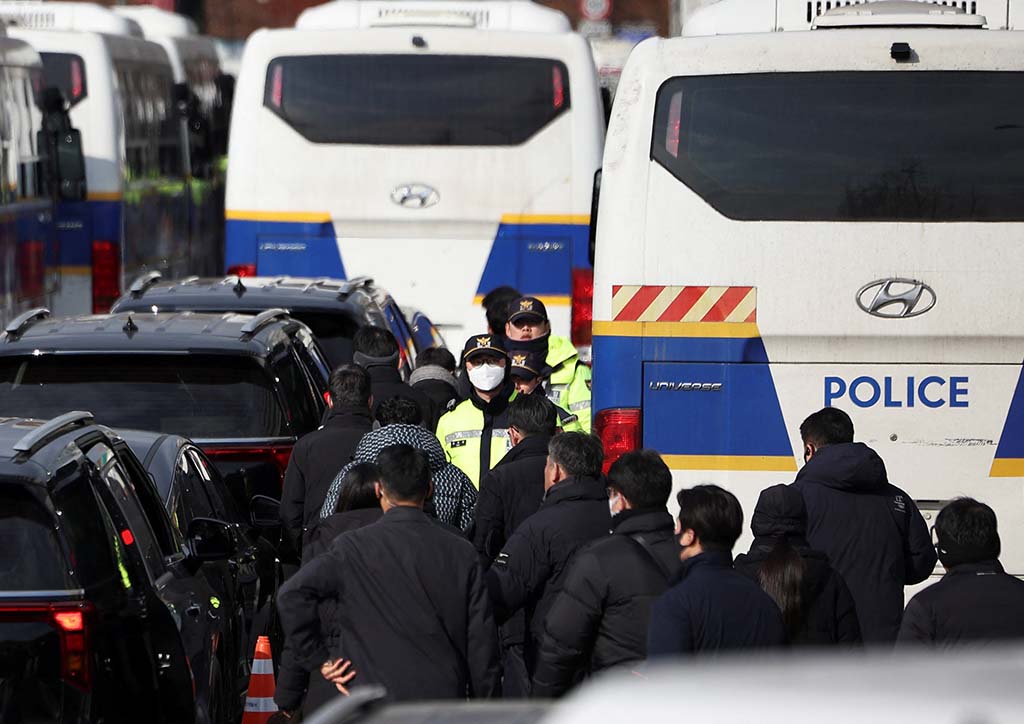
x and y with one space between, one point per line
459 538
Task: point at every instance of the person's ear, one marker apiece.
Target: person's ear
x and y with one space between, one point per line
809 450
688 538
369 405
378 490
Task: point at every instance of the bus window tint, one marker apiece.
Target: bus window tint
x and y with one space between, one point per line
66 72
417 100
848 146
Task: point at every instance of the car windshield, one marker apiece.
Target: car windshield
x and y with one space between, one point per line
198 396
30 556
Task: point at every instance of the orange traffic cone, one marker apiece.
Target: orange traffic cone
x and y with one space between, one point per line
259 700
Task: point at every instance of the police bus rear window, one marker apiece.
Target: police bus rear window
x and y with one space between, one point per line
848 146
417 100
66 72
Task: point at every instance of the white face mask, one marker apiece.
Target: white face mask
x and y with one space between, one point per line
612 502
486 377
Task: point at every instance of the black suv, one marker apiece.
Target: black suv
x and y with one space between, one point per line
102 617
333 308
244 387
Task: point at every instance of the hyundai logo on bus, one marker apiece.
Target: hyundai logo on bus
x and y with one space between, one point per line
866 391
415 196
896 298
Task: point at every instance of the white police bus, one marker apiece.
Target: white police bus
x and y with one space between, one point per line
832 217
120 89
444 147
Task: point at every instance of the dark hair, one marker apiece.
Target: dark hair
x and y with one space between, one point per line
643 478
830 426
781 576
350 386
437 356
496 304
399 411
374 342
533 415
713 514
357 490
966 532
404 473
581 455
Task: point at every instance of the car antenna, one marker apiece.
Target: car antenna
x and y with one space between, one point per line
239 288
130 327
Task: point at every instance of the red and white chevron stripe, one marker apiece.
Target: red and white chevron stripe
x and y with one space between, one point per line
683 304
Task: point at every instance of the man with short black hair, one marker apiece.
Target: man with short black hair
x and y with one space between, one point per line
318 456
599 620
495 304
530 570
434 376
420 636
398 411
376 350
713 607
872 531
976 602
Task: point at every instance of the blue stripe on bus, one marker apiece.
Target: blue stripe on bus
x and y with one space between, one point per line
536 258
1011 444
243 240
743 418
79 223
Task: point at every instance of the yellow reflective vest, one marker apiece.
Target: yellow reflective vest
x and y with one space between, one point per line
569 383
461 433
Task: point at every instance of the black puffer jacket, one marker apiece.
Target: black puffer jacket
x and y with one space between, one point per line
871 531
530 570
439 385
386 382
828 614
599 619
509 494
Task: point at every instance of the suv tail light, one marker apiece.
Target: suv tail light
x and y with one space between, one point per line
32 269
618 430
582 307
242 270
71 622
279 455
106 276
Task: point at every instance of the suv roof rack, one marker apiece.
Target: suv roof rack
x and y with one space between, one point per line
144 282
262 320
22 322
350 285
50 429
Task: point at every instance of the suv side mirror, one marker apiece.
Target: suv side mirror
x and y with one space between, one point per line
210 540
265 511
595 199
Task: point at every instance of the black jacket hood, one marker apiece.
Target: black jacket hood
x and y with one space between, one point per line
852 467
780 513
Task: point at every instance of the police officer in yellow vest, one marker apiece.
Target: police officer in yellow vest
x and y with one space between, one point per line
475 433
566 379
526 376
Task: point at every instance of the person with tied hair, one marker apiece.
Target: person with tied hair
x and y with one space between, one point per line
407 604
816 605
530 570
376 351
599 619
976 602
318 456
713 607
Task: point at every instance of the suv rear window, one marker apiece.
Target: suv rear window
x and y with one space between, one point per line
66 72
334 333
30 555
417 100
848 146
199 396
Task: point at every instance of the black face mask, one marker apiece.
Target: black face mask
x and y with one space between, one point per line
538 346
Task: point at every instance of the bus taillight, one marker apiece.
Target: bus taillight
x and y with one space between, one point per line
582 307
31 269
618 429
242 270
106 276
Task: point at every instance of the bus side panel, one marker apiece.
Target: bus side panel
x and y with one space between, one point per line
206 228
618 379
243 237
79 224
156 230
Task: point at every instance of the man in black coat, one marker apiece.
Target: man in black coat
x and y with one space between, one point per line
434 376
976 602
872 531
713 607
409 607
320 455
599 620
376 351
530 570
509 494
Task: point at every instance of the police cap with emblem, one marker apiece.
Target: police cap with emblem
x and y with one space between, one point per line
526 365
527 307
483 343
